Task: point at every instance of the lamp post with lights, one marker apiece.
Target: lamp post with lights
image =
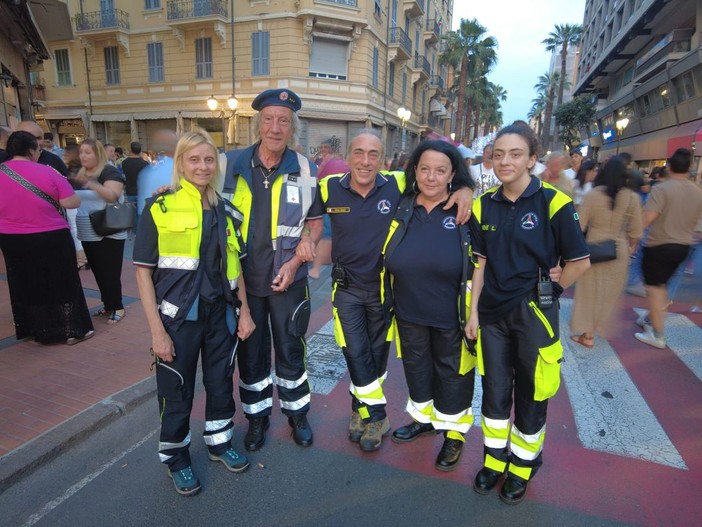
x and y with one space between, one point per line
404 114
225 112
620 125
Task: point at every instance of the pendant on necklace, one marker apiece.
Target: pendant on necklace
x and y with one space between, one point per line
265 183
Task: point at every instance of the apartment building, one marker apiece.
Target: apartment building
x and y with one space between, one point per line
135 66
26 30
642 59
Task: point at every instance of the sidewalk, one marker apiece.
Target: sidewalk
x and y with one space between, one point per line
70 391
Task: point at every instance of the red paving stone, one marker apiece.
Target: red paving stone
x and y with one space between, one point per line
43 386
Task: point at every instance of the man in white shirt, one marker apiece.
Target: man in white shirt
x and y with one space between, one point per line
576 159
483 173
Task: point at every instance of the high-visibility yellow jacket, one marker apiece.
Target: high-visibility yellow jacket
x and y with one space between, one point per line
178 220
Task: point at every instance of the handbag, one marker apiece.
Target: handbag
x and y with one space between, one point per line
114 218
605 250
602 251
33 188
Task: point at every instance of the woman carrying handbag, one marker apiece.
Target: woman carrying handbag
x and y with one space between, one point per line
45 290
101 185
610 212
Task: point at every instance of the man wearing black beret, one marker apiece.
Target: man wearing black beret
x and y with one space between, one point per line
276 190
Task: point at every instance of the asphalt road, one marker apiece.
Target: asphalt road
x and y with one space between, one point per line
114 479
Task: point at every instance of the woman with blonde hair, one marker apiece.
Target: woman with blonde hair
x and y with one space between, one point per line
100 184
189 276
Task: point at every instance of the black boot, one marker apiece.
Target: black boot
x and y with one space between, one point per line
449 455
485 480
513 491
412 431
256 435
301 430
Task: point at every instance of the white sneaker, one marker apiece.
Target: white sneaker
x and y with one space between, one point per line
642 321
648 337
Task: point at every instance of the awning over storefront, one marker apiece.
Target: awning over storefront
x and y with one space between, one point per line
685 136
141 116
644 147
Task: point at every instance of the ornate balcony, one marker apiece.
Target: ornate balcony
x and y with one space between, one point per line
432 31
435 86
348 3
414 8
400 45
182 15
103 24
421 69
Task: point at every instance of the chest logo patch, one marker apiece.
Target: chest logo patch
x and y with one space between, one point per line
529 221
384 206
449 223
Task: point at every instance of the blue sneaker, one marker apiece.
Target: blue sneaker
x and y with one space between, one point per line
185 482
234 461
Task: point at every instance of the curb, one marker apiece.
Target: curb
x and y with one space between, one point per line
24 460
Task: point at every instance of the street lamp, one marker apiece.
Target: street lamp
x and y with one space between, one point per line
620 125
226 112
404 114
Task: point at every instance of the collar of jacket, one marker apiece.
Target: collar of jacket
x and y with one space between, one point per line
189 189
239 162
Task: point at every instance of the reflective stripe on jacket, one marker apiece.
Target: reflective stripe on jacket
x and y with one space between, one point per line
178 220
292 194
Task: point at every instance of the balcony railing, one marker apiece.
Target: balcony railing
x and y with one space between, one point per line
350 3
183 9
106 19
399 37
433 27
435 81
423 64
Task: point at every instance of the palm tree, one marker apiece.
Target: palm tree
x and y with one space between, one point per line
538 105
564 35
490 96
547 85
471 54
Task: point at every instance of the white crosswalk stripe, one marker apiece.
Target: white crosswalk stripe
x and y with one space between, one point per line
610 413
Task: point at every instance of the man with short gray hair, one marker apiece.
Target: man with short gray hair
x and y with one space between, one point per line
361 205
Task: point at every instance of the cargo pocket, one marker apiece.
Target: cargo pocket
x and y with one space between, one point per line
169 382
547 377
300 319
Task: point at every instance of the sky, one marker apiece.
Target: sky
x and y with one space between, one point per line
519 28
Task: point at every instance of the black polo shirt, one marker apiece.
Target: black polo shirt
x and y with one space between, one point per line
360 226
426 266
519 239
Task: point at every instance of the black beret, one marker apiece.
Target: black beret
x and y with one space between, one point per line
280 97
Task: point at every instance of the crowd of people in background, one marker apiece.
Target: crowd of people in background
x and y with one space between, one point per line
408 265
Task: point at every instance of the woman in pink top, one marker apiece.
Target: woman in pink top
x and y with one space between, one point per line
42 274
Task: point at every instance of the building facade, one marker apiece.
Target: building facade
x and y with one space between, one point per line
642 59
152 64
26 31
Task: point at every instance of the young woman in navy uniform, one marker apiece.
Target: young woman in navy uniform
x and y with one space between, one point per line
520 230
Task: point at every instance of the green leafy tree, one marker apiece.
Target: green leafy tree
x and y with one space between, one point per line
573 117
538 105
472 54
546 86
563 36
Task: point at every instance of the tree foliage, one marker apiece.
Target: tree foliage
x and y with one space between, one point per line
572 117
472 55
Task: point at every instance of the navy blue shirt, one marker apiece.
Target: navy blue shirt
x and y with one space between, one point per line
519 239
426 266
360 226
